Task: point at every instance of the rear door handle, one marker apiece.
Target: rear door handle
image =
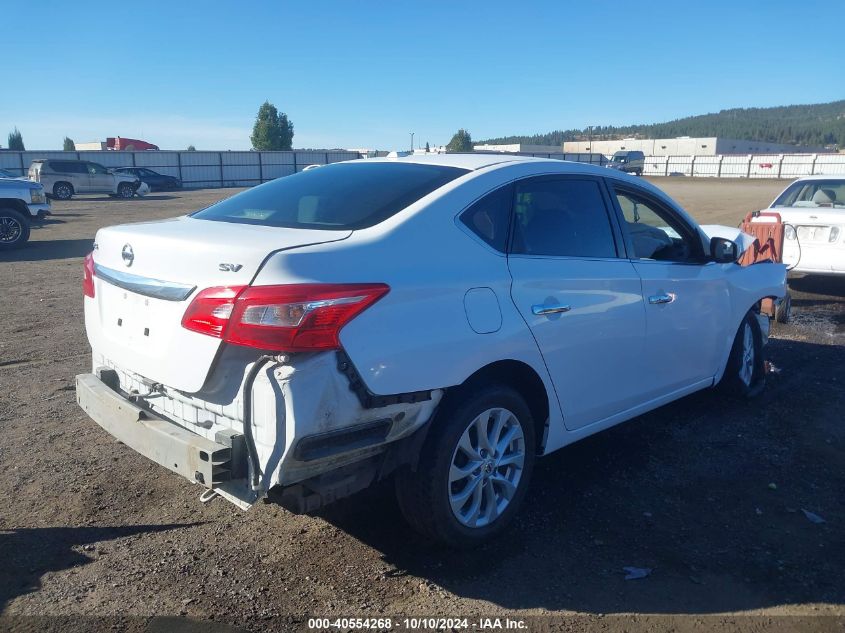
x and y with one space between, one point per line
666 297
541 309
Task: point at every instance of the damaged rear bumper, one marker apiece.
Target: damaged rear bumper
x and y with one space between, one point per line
196 458
315 442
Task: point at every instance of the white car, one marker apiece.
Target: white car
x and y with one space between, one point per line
813 210
446 318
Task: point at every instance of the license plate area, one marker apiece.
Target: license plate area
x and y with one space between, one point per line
135 321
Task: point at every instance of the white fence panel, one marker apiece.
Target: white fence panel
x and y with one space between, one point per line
107 159
679 166
279 158
201 158
706 166
154 160
277 171
764 166
193 174
655 165
734 166
830 164
239 158
795 165
241 173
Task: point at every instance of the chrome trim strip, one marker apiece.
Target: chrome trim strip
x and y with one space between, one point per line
156 288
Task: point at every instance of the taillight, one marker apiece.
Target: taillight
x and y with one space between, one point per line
210 310
290 318
88 276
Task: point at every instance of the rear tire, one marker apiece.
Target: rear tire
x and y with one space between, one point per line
63 191
467 486
745 374
125 190
14 229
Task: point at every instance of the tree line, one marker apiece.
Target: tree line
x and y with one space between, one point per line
820 124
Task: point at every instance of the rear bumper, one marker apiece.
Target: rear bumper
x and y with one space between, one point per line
196 458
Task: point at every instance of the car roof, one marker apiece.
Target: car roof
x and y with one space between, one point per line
471 161
820 177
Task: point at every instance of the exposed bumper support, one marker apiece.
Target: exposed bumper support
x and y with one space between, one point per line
177 449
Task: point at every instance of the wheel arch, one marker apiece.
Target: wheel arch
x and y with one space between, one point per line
13 204
525 380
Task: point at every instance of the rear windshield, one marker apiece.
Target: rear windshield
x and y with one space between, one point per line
342 196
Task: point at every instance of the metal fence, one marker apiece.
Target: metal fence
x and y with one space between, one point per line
245 169
746 166
194 169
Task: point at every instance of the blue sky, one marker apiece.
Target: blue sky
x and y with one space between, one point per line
365 74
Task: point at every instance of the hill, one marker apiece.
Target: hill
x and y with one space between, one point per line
815 124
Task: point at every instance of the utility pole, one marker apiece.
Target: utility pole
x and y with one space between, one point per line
412 142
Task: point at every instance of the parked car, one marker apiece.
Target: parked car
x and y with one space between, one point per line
21 203
631 162
63 178
156 181
813 210
5 173
445 318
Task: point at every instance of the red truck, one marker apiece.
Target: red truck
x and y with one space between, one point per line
128 144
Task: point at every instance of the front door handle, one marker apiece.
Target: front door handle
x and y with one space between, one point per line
541 309
666 297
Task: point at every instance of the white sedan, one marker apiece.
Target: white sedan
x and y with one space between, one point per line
444 319
813 210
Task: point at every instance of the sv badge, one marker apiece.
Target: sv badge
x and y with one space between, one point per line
230 268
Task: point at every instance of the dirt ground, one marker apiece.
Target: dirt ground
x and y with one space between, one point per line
708 493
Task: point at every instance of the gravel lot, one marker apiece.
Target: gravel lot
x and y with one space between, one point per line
708 493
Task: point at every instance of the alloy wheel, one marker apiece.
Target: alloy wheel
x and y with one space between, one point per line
10 230
486 468
747 360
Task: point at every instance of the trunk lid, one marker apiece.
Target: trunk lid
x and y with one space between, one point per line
147 274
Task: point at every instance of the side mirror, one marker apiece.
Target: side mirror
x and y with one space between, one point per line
723 250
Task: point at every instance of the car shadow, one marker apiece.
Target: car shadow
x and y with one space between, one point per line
706 493
38 251
29 553
817 284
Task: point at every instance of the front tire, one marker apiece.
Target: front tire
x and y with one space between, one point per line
125 190
474 467
744 375
14 230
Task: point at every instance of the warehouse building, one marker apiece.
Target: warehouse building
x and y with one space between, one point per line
686 146
519 147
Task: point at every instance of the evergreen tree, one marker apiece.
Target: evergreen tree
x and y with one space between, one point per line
461 142
16 141
272 129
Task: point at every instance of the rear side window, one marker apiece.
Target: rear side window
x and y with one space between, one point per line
343 196
489 217
564 218
67 167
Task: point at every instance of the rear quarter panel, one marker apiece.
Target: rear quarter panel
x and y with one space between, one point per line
418 336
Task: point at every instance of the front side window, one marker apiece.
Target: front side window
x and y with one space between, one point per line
341 196
654 232
489 217
561 217
813 194
94 168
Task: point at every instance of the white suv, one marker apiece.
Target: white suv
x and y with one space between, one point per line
64 178
445 318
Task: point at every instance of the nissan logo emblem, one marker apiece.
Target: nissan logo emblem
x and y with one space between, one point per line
127 254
